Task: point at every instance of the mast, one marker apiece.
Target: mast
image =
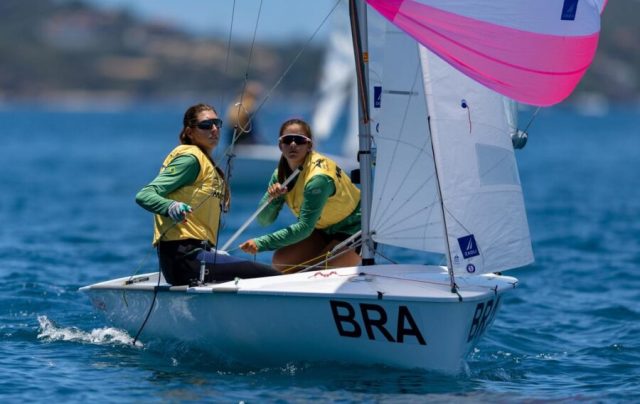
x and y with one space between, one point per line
358 17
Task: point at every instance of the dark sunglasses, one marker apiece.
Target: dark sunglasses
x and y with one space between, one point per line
208 124
299 139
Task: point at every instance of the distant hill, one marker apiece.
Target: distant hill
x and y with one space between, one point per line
51 49
615 72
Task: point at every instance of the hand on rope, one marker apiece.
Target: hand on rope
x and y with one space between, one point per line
250 247
255 214
276 190
178 211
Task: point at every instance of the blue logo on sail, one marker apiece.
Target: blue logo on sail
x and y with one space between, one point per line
377 96
468 246
569 10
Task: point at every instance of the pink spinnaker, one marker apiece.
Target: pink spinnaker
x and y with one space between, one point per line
533 51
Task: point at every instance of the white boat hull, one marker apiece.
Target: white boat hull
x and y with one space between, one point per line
400 316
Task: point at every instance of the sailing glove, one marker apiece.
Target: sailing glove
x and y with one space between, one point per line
178 210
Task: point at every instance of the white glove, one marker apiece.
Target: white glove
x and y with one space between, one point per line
178 211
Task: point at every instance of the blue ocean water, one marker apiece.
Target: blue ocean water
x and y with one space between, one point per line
570 332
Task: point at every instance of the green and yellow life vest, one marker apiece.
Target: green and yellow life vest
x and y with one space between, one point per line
204 197
339 205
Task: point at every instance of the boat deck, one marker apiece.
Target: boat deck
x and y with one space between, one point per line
406 282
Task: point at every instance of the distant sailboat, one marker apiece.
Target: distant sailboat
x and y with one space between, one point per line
445 181
334 120
338 90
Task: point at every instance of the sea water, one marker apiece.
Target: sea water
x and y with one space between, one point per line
570 332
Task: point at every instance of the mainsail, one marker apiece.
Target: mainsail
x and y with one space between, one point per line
535 52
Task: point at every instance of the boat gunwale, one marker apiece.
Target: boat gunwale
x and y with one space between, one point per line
470 293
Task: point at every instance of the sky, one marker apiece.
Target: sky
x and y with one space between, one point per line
280 20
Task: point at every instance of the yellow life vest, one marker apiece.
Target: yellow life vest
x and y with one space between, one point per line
339 205
204 197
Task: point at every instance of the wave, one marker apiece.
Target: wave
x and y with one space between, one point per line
48 331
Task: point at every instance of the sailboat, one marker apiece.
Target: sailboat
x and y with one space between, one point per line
445 182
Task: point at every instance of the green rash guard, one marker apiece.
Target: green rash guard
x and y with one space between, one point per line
183 170
316 193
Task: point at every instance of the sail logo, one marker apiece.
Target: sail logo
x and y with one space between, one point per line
375 317
468 246
377 96
569 9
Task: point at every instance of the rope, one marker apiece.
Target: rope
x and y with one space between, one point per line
229 150
285 73
135 272
327 256
236 134
153 303
226 61
535 113
156 288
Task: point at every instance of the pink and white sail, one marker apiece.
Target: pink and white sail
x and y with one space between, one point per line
534 51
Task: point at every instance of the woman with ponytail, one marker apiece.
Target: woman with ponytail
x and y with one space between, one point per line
187 197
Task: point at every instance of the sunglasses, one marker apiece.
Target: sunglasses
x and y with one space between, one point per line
299 139
209 123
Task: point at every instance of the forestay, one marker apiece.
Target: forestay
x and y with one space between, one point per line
337 98
483 207
535 52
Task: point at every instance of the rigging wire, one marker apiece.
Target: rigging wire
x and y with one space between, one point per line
236 134
229 150
535 113
309 264
228 53
289 67
157 287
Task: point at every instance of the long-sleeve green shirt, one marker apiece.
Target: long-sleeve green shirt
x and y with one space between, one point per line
316 193
183 170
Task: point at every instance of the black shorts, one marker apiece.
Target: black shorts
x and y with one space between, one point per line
180 262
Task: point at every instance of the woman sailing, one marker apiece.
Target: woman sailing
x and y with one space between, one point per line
322 197
187 198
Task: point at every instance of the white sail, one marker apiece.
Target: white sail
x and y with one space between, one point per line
483 203
474 168
405 209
